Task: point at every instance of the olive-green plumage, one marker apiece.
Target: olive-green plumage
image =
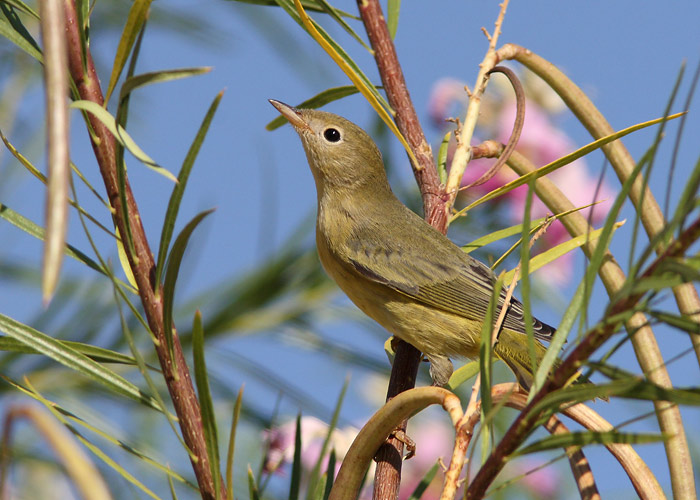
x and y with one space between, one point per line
393 265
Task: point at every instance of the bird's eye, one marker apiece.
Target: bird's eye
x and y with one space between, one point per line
331 134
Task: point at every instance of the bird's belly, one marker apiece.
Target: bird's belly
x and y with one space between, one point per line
430 330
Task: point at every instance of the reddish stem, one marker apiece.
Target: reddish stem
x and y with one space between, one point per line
141 261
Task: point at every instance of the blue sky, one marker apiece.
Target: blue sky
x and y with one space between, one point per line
625 56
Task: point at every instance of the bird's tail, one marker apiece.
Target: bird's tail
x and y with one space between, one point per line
512 348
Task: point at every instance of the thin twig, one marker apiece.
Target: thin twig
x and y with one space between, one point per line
462 153
517 128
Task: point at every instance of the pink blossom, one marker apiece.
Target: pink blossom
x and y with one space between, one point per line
313 433
540 481
541 142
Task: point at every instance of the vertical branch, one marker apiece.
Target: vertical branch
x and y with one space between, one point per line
141 261
405 368
405 114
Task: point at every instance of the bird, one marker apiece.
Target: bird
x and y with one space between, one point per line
393 265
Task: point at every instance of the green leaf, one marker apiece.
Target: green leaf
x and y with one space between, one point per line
330 474
98 354
311 5
316 472
442 157
205 401
32 229
137 17
317 101
134 82
585 438
337 16
392 21
74 360
424 483
565 160
68 418
680 322
462 374
232 442
552 254
252 485
295 480
14 31
121 135
173 268
21 6
58 414
179 188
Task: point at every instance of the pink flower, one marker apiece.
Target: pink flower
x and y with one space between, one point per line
313 433
541 142
540 481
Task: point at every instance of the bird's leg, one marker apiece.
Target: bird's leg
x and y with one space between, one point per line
410 444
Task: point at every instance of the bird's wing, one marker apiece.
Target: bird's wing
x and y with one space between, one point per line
453 282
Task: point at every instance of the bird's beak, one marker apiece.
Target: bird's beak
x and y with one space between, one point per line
290 114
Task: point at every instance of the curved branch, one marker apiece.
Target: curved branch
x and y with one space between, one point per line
379 427
517 128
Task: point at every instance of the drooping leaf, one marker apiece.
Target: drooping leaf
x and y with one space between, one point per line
315 102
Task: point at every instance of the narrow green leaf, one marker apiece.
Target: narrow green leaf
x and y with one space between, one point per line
317 101
424 483
486 366
179 188
442 157
552 254
121 135
134 82
680 322
565 160
295 480
232 442
98 354
337 16
578 303
74 360
205 401
15 32
252 485
329 474
73 418
23 7
462 374
392 21
33 229
316 472
171 273
526 268
58 414
137 17
585 438
36 173
310 5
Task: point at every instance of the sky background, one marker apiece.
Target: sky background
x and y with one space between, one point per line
626 58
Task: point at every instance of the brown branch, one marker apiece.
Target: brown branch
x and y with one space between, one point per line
403 374
141 262
405 115
517 127
525 421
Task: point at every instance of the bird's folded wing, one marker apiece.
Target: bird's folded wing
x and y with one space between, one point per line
459 286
